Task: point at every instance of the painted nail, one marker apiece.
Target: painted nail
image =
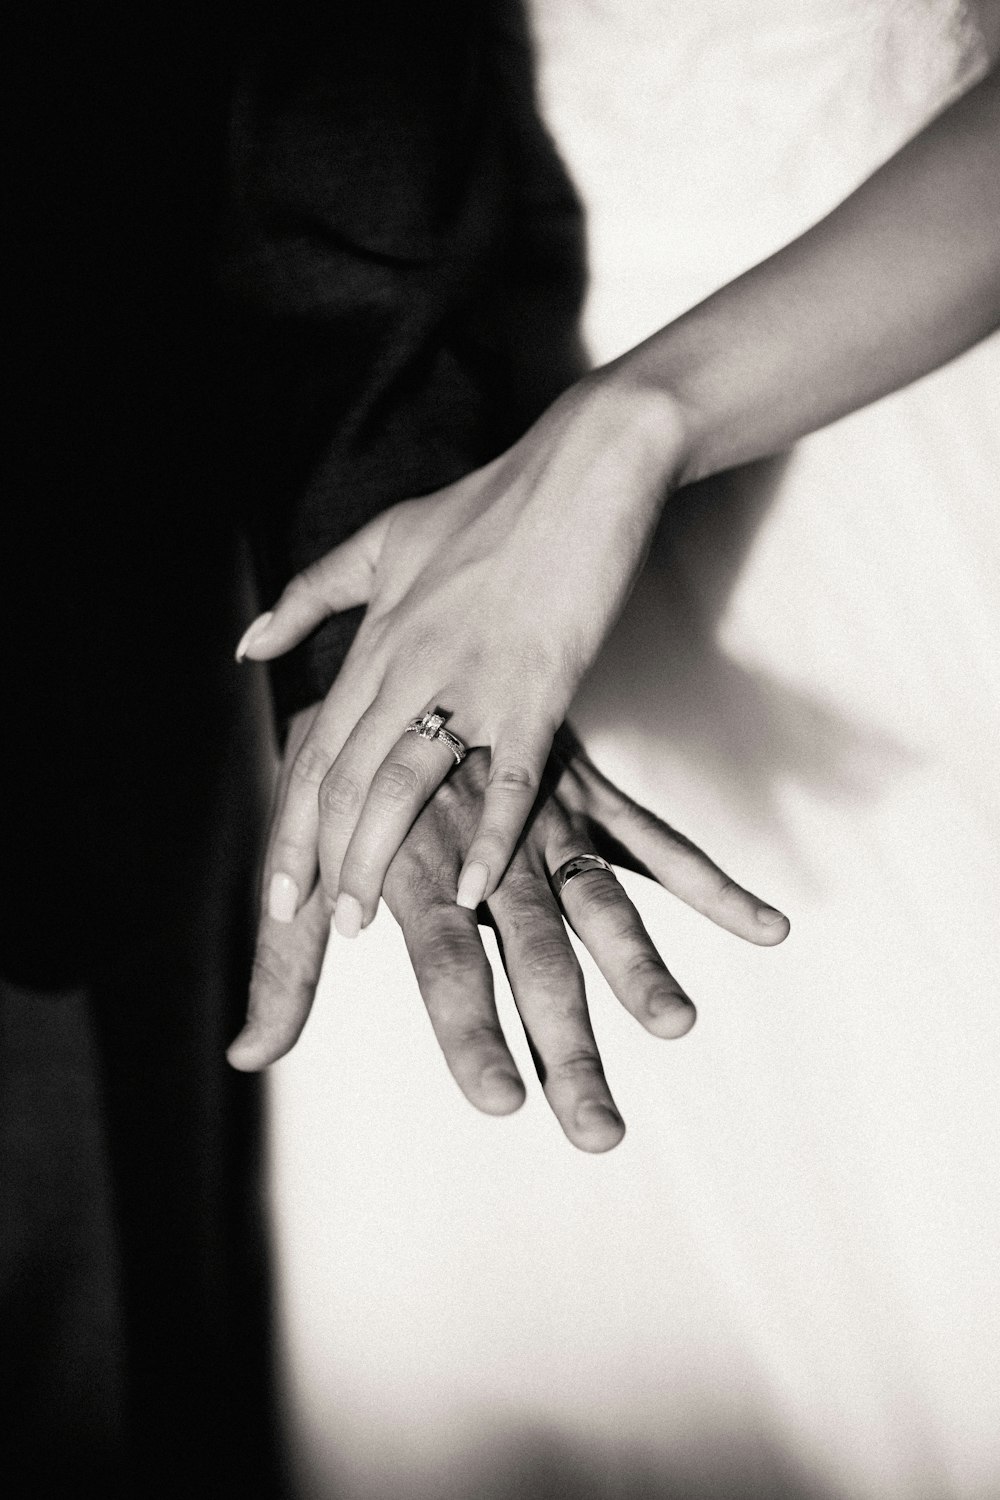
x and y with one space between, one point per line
472 886
241 1044
282 898
590 1115
769 916
347 915
253 632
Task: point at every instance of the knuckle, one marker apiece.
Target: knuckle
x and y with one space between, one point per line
475 1037
644 968
449 972
549 963
453 810
272 970
643 820
728 892
682 852
514 776
580 1064
340 795
422 874
307 585
443 952
396 781
525 891
310 765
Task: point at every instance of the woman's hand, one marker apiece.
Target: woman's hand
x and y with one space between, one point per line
487 602
578 812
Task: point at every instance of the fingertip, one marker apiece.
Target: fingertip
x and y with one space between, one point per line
282 898
670 1015
244 1052
369 904
472 886
772 927
348 915
251 638
500 1092
597 1128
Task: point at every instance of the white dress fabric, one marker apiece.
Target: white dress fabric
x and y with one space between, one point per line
783 1283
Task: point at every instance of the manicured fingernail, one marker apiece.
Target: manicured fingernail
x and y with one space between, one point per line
347 915
472 886
769 916
253 632
239 1044
590 1115
282 898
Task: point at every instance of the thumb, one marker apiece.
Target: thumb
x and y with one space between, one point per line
339 580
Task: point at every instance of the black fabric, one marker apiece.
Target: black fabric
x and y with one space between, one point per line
135 1321
273 266
404 269
277 268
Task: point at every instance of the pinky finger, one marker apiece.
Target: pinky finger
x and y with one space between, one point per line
688 873
516 768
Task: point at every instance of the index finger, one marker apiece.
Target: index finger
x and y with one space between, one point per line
292 856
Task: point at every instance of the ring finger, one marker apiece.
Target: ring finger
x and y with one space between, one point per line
600 912
398 789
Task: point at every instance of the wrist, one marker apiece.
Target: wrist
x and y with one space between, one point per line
651 420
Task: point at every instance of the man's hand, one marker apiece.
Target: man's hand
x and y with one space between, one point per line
579 811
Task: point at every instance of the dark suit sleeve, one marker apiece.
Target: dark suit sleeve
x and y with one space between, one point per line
392 270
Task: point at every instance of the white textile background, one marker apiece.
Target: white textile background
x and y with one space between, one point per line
782 1283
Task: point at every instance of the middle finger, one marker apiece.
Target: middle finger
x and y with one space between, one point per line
549 993
455 980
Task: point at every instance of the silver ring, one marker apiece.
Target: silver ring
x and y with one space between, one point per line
578 865
431 727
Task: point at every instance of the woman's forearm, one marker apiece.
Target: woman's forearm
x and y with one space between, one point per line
901 277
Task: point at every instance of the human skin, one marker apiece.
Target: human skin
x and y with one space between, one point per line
491 598
578 811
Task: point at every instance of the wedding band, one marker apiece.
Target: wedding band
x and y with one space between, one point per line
431 727
578 865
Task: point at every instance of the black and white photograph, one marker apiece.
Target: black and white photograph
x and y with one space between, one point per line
500 950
